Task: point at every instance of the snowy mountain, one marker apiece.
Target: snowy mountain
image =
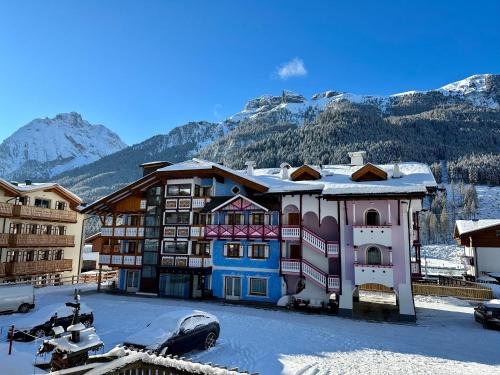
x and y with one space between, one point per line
451 122
46 147
113 171
482 90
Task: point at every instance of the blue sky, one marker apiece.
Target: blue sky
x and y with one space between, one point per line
143 67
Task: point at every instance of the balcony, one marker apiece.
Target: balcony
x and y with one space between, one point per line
39 240
4 239
48 214
185 203
176 231
127 260
197 231
122 232
38 267
187 261
242 231
374 274
6 209
108 249
290 232
368 234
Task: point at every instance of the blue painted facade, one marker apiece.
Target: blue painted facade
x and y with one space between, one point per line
245 268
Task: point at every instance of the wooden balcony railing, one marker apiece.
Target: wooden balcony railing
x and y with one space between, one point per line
21 239
40 213
242 230
38 267
108 249
121 260
6 209
4 239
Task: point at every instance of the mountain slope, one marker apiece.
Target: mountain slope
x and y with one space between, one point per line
111 172
453 122
45 147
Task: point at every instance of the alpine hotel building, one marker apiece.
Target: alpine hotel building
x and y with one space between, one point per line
198 229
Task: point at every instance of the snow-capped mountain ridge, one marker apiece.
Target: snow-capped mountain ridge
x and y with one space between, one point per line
481 90
45 147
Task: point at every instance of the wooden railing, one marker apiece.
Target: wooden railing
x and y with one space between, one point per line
4 239
38 267
116 260
242 231
21 239
40 213
106 276
123 231
6 209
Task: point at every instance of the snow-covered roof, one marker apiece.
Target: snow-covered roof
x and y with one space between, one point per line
336 180
88 340
467 226
163 327
37 186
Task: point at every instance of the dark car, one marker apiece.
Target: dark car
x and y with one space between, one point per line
177 332
40 322
488 313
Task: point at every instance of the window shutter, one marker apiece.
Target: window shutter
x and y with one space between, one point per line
266 251
241 250
225 250
249 250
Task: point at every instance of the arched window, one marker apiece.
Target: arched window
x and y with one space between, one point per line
372 217
373 256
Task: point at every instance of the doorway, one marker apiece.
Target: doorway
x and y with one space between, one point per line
132 281
233 287
293 218
295 252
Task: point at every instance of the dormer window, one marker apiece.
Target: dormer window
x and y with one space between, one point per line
305 173
369 172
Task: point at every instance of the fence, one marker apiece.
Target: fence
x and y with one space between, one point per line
451 286
91 277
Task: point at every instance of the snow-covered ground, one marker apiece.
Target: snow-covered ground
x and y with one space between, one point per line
444 340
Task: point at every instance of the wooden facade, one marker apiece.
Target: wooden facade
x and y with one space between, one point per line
486 237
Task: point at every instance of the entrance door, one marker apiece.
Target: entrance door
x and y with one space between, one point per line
132 281
233 287
295 251
293 218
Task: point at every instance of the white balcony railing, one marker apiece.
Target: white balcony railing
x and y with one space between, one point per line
366 234
122 232
290 232
290 266
104 259
372 274
107 231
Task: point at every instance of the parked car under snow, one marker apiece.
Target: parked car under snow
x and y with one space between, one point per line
177 332
40 322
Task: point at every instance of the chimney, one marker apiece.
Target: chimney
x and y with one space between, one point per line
250 164
357 157
396 173
152 166
284 171
27 182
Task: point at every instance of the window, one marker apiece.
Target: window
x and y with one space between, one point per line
206 191
177 217
373 256
175 247
498 233
132 247
30 256
372 217
258 218
150 245
23 201
179 190
258 287
59 254
60 205
258 250
201 248
235 190
133 220
44 203
235 218
232 250
61 230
